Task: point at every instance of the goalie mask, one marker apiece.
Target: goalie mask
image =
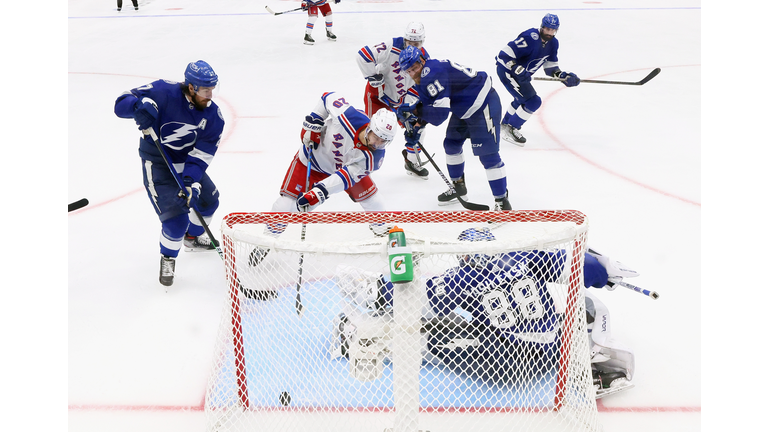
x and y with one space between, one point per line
473 235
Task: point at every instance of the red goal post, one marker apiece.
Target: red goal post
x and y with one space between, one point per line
276 369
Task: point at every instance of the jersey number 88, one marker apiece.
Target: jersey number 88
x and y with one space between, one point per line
502 313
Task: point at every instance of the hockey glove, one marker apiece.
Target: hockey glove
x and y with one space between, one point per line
413 131
376 80
146 113
192 192
406 112
314 197
569 79
520 74
304 6
310 133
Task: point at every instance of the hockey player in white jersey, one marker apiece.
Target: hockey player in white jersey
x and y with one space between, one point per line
464 326
389 86
341 147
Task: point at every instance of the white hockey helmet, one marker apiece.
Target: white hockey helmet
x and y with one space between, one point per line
415 32
384 125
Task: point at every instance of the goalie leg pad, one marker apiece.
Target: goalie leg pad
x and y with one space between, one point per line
364 338
608 355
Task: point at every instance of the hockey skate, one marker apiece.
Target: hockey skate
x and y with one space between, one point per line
415 169
330 35
256 256
308 39
449 196
503 203
608 383
167 270
200 243
511 134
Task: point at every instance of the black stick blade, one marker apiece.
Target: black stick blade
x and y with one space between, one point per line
650 76
78 205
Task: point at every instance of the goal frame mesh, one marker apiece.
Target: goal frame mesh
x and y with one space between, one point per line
231 331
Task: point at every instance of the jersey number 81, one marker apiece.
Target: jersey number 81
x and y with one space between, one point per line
435 87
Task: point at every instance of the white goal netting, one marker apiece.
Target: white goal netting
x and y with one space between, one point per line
490 334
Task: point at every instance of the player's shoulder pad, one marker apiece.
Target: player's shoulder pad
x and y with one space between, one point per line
532 34
432 66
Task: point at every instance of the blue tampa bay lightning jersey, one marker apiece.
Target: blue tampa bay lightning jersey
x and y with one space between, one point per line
507 294
448 87
190 137
529 51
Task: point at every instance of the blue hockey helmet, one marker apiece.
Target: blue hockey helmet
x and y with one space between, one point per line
200 74
409 56
474 235
550 21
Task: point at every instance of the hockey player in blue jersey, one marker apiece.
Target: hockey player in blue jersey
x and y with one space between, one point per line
389 86
510 307
517 62
448 88
189 126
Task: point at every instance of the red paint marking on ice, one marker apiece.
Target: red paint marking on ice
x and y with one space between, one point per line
229 129
152 408
589 161
660 409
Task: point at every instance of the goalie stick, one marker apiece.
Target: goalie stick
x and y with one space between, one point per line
641 82
78 204
280 13
652 294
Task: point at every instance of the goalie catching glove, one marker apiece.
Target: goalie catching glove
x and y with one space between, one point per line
190 194
317 195
310 132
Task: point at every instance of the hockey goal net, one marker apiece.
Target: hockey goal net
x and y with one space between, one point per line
490 335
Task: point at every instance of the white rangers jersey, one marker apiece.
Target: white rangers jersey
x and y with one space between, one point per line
340 154
384 58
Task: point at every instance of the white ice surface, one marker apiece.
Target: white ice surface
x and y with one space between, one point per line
138 357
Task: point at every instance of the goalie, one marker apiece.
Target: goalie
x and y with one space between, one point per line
496 317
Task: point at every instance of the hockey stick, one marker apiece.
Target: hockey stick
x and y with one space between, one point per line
641 82
77 205
153 135
280 13
299 305
467 205
652 294
259 295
